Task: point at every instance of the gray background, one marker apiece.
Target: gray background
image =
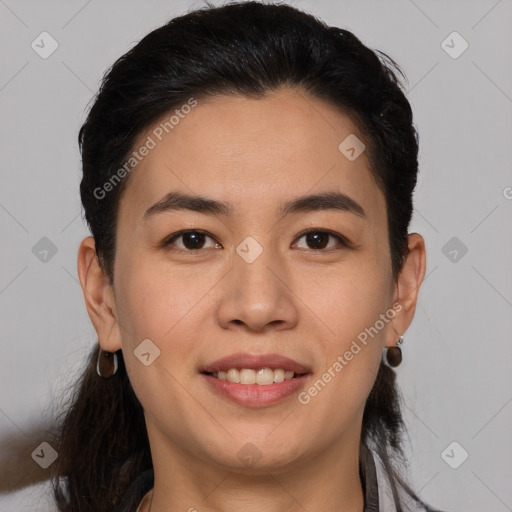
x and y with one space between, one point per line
456 376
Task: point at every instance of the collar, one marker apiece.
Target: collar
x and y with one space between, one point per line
369 480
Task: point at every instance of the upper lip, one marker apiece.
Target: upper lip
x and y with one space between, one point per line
256 362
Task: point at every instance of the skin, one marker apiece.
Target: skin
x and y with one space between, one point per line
294 300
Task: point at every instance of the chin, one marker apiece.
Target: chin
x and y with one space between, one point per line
263 456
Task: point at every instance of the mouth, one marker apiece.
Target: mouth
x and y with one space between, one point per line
261 377
255 380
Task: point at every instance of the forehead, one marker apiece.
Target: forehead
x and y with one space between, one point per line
249 152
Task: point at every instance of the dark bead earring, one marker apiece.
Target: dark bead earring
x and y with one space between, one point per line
394 354
106 365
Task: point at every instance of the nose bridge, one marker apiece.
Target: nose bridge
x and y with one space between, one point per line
253 262
256 293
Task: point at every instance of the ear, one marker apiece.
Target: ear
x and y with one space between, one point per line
408 285
99 296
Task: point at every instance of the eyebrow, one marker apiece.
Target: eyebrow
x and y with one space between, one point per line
174 201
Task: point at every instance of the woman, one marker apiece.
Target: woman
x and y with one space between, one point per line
248 175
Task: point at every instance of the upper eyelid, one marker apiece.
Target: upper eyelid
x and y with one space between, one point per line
176 235
341 238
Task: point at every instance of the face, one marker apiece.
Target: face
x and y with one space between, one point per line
254 279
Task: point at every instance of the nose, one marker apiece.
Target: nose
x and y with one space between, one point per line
257 295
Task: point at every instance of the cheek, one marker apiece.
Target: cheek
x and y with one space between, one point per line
164 304
350 361
352 299
158 307
354 307
151 300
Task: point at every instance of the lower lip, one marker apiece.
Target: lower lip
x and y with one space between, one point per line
254 395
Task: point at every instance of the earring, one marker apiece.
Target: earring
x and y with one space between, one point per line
106 365
394 354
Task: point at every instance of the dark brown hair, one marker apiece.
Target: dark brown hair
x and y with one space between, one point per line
248 49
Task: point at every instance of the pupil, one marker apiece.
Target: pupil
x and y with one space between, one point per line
195 237
314 237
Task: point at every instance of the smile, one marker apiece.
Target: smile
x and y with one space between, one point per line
262 377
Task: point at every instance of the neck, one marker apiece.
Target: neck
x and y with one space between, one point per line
328 481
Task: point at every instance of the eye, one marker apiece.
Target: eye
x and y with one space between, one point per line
193 240
318 238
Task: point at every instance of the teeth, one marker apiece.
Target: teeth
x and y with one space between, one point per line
247 377
263 377
233 375
279 375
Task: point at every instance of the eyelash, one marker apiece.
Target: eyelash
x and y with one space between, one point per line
343 241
